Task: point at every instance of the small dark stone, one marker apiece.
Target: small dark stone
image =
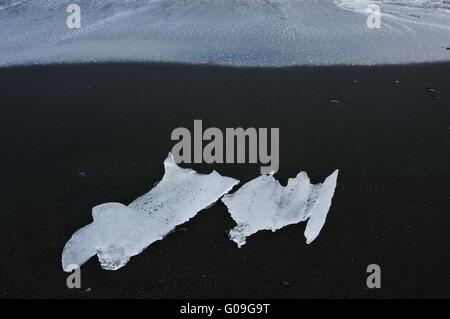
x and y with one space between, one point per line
86 291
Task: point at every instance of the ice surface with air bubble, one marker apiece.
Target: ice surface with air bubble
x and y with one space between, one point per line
119 232
264 204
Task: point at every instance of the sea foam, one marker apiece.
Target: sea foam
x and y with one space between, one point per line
238 32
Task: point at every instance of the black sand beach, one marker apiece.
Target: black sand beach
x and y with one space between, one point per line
76 136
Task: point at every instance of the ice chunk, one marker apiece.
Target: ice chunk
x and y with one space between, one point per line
264 204
119 232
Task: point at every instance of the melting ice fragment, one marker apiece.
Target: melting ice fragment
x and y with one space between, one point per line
264 204
119 232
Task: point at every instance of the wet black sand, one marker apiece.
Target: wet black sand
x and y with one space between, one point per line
75 136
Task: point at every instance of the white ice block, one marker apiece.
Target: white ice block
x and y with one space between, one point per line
263 203
119 232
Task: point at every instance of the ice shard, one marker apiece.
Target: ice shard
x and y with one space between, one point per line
263 203
119 232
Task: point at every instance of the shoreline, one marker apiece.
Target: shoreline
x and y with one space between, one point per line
195 65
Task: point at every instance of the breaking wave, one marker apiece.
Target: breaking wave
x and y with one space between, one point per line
226 32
